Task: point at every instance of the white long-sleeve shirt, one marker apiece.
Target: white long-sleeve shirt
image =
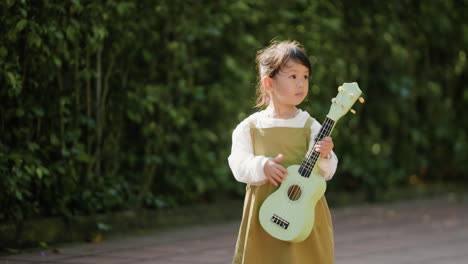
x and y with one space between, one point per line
248 168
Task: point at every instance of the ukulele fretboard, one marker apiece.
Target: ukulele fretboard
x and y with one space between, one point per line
312 156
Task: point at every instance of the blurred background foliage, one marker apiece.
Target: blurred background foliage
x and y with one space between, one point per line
114 105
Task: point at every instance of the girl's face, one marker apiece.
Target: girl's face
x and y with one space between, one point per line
290 85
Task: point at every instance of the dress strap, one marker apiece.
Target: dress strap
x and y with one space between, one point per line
252 128
307 126
251 124
309 122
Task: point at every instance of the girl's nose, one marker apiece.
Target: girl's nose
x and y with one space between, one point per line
300 82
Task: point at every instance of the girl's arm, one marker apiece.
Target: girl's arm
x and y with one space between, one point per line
245 166
327 165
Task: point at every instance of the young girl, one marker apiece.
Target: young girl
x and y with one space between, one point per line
266 143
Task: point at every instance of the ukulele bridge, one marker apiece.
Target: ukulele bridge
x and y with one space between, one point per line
280 221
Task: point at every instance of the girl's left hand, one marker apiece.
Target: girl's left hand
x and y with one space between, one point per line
324 147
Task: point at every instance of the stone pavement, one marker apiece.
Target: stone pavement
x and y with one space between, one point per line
429 231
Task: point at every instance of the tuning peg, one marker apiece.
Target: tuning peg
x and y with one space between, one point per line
361 100
343 107
353 111
341 89
351 95
333 100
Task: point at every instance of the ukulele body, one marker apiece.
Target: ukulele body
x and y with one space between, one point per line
289 213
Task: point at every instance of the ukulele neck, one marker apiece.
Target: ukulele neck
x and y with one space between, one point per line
312 156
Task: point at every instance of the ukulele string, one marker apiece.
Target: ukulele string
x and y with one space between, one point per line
312 154
326 129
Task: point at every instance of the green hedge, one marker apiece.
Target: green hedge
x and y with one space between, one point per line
110 105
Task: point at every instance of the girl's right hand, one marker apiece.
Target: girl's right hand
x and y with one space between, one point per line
274 172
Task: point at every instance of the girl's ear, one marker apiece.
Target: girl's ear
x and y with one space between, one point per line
267 83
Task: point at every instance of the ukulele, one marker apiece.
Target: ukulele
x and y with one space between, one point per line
288 213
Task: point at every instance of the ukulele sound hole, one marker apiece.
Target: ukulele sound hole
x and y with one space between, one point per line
294 192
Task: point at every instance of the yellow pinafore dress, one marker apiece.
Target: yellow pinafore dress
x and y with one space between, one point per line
254 245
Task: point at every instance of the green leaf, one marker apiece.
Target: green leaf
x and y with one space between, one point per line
54 140
12 79
59 35
20 112
33 146
3 52
38 111
103 227
71 33
19 196
57 62
34 40
124 7
29 169
39 173
10 3
65 152
84 157
21 25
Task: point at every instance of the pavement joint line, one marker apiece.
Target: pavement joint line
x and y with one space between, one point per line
168 255
397 249
375 236
464 255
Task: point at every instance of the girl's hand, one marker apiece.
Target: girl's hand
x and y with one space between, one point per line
324 147
274 172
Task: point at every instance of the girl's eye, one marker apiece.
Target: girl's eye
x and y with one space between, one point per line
306 77
292 77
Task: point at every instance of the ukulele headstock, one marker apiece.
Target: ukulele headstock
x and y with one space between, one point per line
347 95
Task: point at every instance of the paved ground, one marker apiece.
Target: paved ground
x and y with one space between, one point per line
431 231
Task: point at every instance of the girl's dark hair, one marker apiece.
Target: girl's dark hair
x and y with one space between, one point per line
271 59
